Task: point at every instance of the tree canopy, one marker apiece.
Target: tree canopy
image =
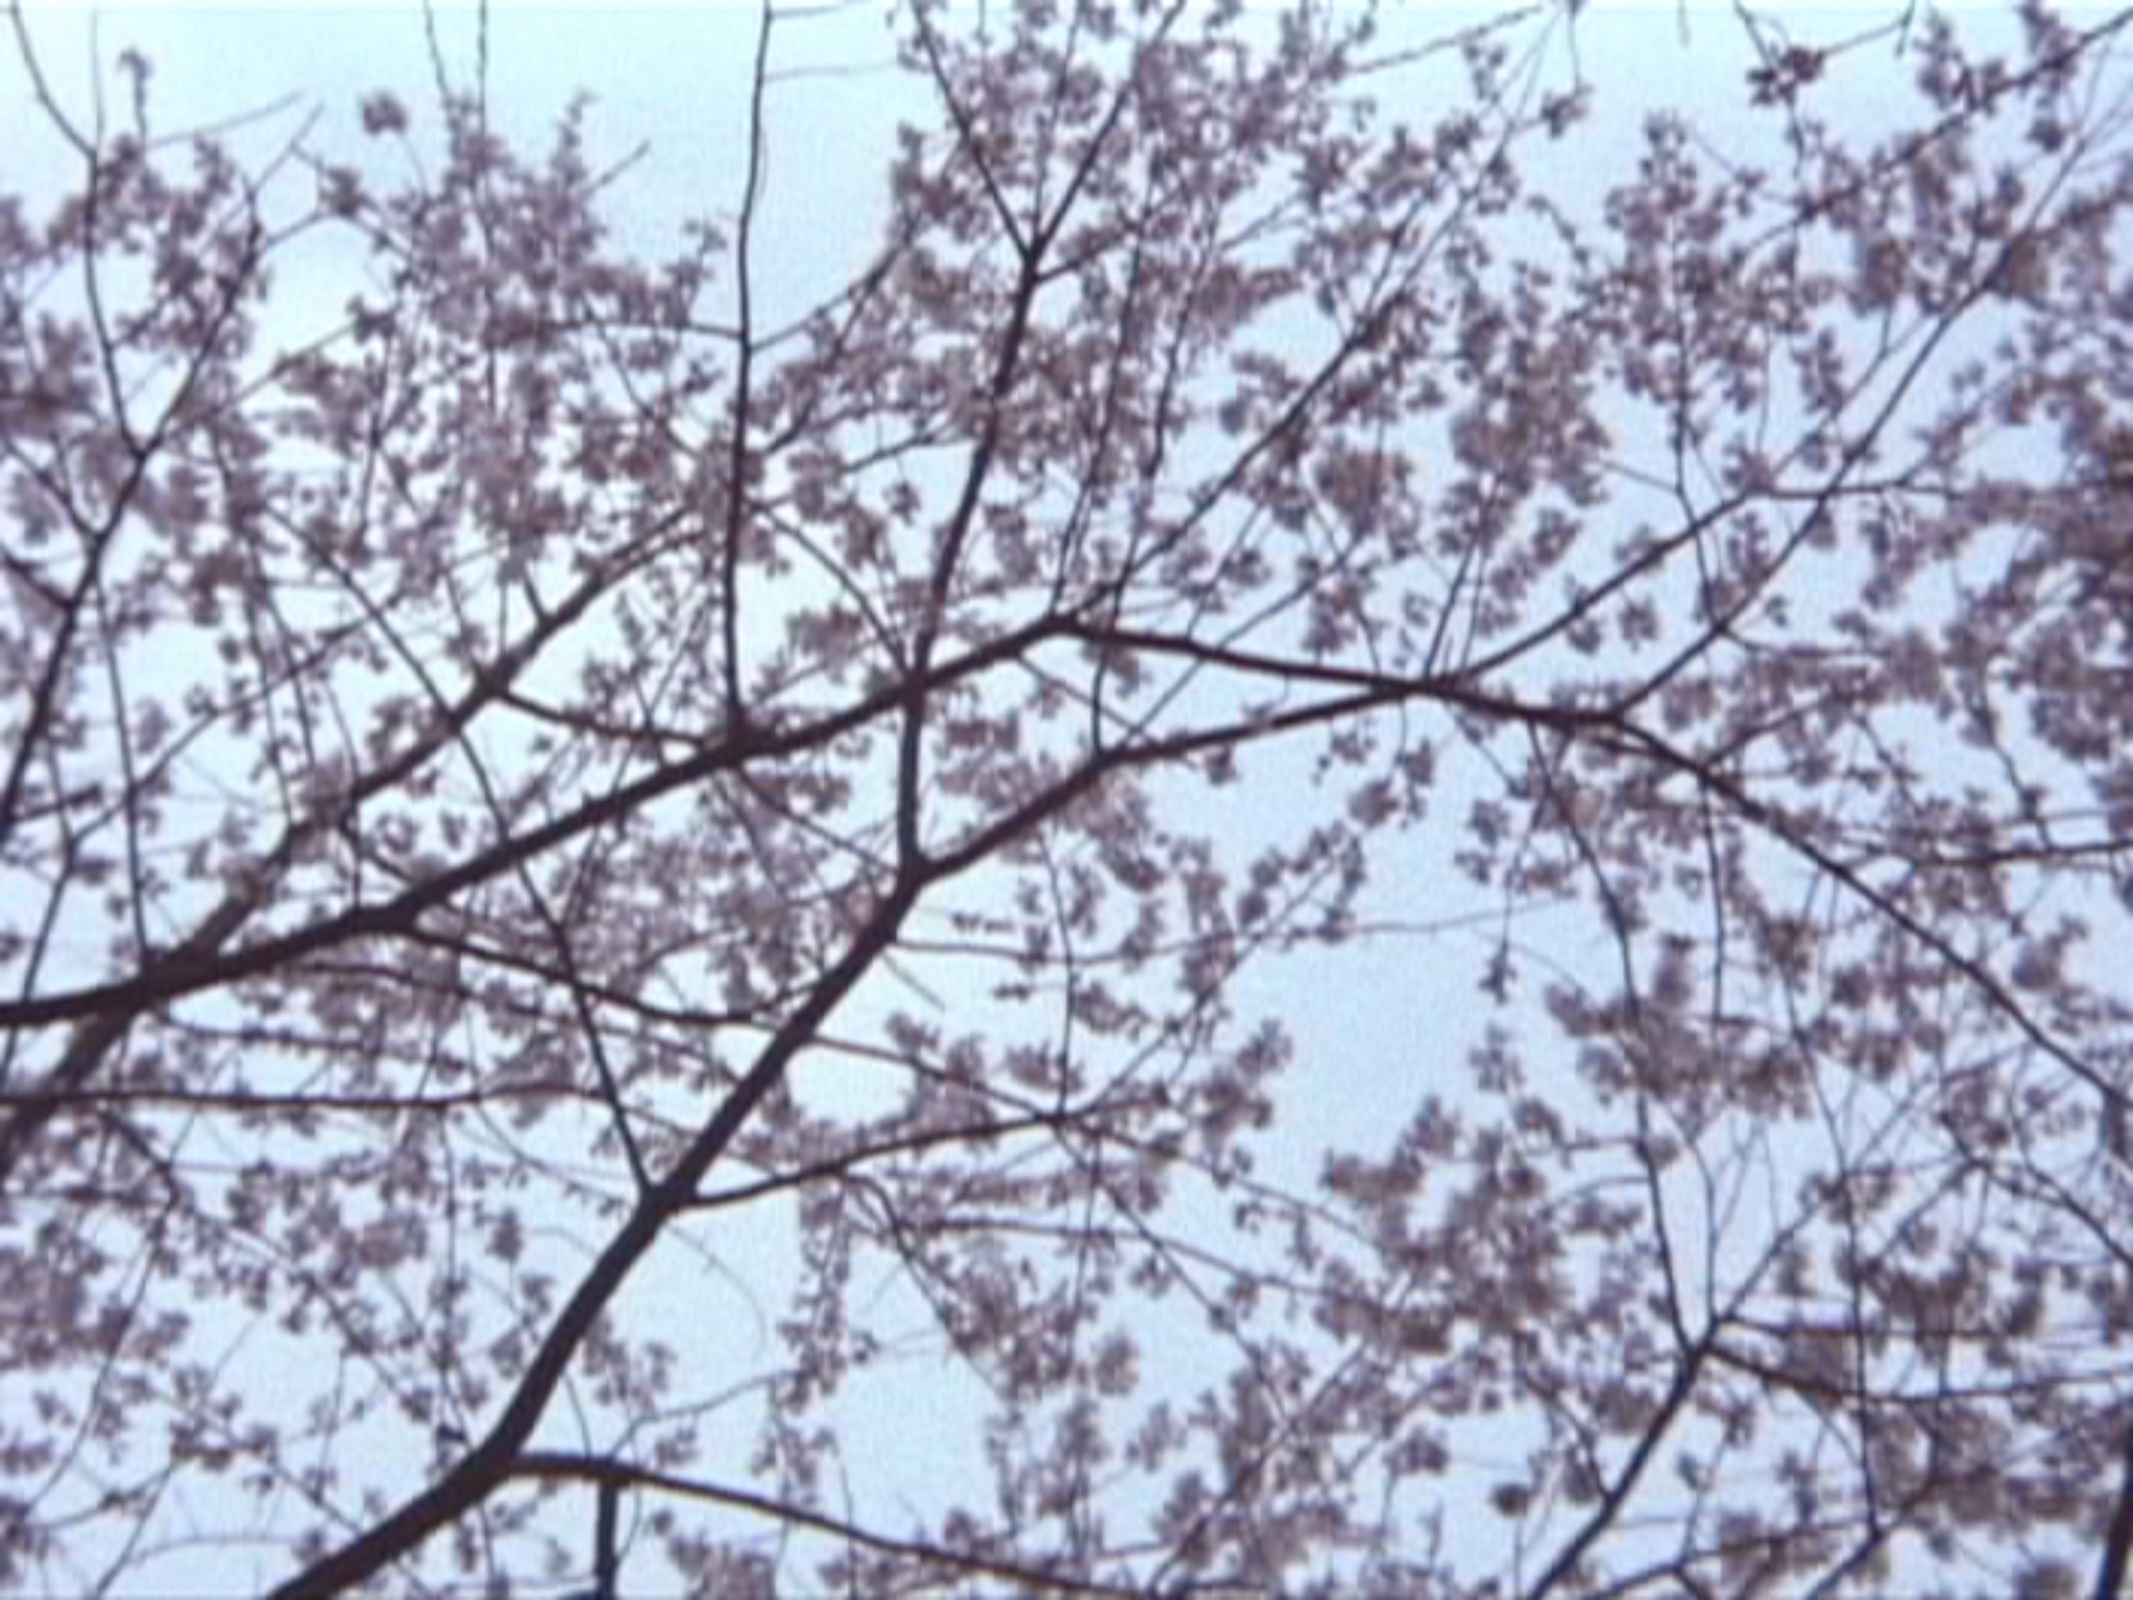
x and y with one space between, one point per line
654 942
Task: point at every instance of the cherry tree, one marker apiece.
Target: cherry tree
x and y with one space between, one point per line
654 942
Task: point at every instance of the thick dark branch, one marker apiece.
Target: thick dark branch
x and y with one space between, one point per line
2118 1544
199 964
107 1011
552 1466
484 1469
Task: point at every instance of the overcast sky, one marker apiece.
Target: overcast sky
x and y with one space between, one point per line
674 78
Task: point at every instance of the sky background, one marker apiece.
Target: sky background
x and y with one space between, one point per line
674 80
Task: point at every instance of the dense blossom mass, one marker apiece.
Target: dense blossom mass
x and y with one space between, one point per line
652 942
